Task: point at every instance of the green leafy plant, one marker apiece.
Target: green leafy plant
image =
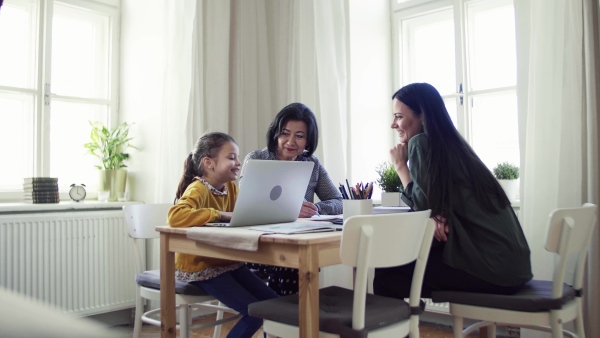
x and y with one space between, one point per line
108 145
388 180
506 171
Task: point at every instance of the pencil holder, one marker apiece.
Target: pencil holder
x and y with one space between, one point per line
357 207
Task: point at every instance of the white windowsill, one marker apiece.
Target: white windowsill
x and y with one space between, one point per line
8 208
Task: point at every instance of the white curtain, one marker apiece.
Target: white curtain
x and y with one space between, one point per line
558 115
232 65
176 137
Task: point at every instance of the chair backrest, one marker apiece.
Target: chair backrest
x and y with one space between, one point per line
141 219
375 241
570 232
396 238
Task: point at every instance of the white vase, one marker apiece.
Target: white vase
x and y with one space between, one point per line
391 199
511 188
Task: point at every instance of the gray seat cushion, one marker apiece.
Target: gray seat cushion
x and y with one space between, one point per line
335 311
536 296
151 279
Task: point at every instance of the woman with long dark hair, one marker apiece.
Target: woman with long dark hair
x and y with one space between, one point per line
479 245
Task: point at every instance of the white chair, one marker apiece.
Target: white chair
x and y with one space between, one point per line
141 220
541 305
369 241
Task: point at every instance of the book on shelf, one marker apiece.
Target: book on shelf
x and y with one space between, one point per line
41 194
39 180
40 187
41 200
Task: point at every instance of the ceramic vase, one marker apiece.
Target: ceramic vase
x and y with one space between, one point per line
114 181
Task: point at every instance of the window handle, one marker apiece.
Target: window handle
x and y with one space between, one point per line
47 94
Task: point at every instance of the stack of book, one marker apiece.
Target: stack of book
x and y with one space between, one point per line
40 190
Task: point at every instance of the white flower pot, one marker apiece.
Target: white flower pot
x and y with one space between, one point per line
391 199
511 188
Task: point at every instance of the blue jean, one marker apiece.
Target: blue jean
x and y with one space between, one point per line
237 289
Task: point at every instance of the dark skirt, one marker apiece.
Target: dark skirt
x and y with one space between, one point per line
284 281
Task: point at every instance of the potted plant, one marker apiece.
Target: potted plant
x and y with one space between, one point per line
109 145
507 175
390 183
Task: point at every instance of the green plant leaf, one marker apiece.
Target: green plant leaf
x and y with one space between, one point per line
506 171
107 145
388 180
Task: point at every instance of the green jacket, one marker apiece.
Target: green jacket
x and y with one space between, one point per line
489 246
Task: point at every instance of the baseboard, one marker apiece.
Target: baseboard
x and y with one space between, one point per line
115 318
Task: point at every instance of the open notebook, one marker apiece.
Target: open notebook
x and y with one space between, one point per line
298 227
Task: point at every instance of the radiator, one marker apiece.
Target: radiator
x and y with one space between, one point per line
79 261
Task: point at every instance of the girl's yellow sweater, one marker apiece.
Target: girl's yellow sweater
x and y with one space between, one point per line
196 207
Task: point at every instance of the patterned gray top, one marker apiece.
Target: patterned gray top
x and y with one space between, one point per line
320 183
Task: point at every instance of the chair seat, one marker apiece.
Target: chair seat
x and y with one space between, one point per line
335 305
151 279
536 296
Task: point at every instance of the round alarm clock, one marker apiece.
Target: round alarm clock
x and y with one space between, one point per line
77 192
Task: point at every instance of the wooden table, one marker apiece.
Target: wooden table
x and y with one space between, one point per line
306 252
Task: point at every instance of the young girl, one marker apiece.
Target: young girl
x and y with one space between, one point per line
206 193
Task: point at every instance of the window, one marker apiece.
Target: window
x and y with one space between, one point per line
467 50
58 70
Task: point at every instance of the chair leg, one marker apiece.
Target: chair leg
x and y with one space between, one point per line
139 310
413 327
458 327
185 320
217 331
556 324
492 331
579 329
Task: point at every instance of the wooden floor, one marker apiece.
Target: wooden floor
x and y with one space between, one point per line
427 330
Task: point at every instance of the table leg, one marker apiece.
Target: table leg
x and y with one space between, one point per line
308 276
167 288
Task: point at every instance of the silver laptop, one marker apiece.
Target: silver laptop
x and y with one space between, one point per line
270 192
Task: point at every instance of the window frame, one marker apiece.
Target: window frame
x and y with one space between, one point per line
413 8
42 88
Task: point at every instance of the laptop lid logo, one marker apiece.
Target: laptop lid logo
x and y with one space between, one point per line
275 192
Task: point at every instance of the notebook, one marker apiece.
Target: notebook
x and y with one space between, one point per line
270 192
298 227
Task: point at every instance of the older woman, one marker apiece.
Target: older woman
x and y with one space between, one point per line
293 136
479 245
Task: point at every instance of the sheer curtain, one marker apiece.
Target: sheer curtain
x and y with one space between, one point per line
232 65
558 115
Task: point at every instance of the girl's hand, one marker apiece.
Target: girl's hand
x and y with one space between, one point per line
225 215
441 229
308 210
